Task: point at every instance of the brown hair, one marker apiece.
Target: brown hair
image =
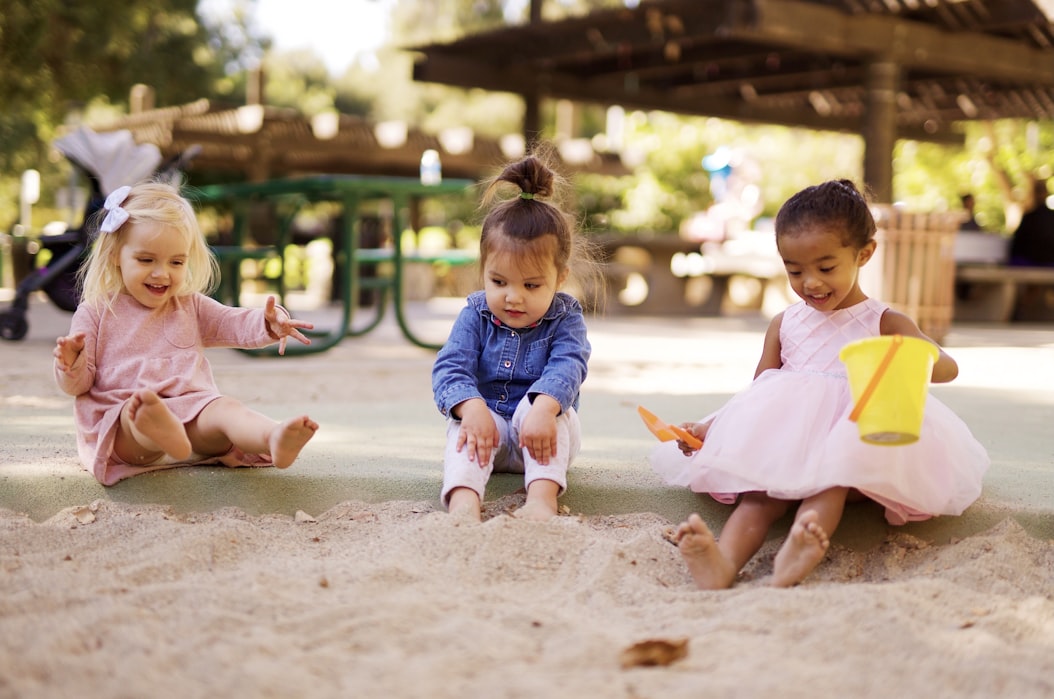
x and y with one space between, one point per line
520 223
532 225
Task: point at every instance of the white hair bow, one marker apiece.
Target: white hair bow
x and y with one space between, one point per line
115 215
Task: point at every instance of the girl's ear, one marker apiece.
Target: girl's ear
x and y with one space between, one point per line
562 277
864 254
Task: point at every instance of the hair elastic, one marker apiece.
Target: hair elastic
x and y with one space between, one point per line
115 215
526 195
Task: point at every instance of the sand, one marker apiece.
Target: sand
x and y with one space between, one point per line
398 600
116 598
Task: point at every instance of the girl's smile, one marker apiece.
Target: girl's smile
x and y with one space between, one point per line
824 271
153 264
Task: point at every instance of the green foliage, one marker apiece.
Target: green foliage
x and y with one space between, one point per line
299 80
58 57
996 164
597 196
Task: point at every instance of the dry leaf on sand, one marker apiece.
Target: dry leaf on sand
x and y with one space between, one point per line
655 651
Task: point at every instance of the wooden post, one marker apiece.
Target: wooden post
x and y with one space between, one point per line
141 99
532 103
536 11
880 128
532 120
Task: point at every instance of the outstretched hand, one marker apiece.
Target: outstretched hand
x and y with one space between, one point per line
67 349
283 326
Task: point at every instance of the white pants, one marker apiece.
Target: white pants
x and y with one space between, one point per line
507 456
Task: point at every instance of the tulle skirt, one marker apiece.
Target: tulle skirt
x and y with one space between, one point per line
788 435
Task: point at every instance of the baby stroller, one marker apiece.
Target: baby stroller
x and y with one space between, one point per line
108 160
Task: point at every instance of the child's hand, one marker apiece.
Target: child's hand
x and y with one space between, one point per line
478 431
67 349
282 326
696 429
538 431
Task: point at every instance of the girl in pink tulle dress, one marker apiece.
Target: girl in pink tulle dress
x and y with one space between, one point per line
787 439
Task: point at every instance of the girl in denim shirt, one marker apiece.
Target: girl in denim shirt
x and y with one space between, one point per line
509 376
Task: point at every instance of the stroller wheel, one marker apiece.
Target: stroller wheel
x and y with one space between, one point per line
13 325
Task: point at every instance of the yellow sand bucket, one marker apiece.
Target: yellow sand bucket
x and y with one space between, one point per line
889 377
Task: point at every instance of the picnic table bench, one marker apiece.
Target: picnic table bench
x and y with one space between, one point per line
987 292
671 266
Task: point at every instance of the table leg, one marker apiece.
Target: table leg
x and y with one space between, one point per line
397 276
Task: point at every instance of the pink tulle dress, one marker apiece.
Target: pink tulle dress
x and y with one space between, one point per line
788 433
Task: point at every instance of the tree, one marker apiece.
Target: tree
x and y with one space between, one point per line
997 164
56 57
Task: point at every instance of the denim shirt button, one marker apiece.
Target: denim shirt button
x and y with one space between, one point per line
507 363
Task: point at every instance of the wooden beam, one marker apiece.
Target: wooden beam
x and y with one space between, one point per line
631 95
913 45
471 74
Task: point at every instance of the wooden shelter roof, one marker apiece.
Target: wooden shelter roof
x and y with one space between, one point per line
886 69
258 142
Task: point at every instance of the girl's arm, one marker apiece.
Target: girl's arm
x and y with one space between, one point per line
220 325
770 350
455 386
455 373
74 365
945 369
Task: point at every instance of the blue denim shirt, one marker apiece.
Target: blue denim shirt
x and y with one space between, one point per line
488 360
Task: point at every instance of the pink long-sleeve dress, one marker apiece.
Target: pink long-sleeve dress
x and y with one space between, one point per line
133 347
788 433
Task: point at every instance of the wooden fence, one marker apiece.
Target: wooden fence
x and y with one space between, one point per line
913 269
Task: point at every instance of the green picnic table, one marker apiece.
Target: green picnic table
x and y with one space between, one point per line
350 191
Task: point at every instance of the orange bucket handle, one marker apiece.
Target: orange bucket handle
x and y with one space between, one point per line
880 371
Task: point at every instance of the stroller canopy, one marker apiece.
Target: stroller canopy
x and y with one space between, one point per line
113 159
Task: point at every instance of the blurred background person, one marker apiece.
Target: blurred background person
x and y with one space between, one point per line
970 222
1033 241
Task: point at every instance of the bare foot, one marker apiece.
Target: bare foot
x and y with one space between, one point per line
288 438
157 425
803 550
708 566
465 506
536 511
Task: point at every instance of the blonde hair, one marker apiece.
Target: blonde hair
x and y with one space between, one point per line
152 203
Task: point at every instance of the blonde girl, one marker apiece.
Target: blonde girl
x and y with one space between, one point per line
145 397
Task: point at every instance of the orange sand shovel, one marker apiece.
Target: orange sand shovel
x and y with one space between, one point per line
666 432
